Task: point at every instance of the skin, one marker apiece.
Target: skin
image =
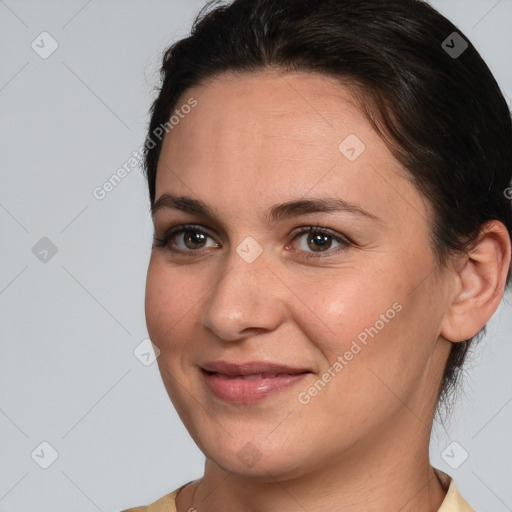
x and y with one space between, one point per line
361 443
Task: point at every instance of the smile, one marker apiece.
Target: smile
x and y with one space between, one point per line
249 388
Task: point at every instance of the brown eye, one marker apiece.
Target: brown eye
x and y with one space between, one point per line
183 239
193 239
320 240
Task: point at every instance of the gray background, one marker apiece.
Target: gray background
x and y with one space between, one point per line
69 325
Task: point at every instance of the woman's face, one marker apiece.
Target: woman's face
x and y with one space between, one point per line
357 307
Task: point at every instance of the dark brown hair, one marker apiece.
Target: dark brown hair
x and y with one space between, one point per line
442 115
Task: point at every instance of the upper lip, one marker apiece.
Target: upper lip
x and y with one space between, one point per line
250 368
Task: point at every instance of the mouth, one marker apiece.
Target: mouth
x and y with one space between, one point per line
251 369
255 376
245 383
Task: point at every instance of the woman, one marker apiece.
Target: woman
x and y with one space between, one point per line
331 234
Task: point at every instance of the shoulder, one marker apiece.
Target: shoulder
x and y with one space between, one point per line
453 501
164 504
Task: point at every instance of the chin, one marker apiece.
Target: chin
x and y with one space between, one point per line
262 460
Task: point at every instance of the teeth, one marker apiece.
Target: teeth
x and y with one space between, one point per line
259 376
251 377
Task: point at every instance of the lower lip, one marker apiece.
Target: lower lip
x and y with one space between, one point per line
246 391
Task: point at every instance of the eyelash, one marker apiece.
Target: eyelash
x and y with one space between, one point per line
165 241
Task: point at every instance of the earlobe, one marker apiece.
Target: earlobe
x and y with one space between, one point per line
481 279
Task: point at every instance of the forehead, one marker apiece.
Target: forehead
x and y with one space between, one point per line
271 136
272 104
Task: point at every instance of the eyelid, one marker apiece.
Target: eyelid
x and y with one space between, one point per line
178 229
323 230
342 239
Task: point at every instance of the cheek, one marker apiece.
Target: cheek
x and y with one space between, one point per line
169 308
375 316
378 323
346 305
169 301
156 301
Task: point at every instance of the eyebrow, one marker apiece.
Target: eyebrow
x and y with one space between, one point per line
280 211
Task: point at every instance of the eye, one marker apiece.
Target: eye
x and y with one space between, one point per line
320 240
191 237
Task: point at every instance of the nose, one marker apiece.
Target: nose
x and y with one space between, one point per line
248 298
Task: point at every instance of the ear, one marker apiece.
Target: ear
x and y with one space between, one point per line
480 279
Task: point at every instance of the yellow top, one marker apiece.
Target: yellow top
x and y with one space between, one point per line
453 501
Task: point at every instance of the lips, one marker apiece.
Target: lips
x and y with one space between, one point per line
250 382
